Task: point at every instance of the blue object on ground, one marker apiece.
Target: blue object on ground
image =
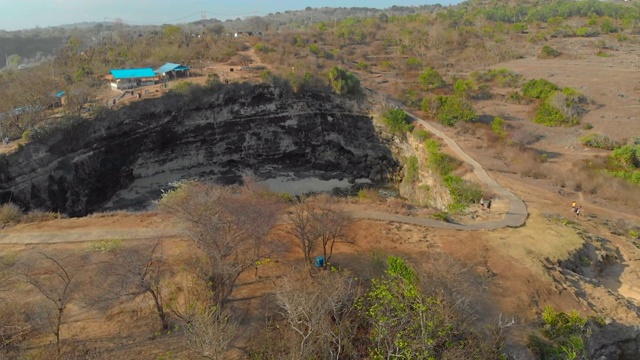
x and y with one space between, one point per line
319 261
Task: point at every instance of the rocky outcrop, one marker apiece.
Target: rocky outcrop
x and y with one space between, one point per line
126 157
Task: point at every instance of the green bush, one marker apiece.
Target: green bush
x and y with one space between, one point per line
431 79
549 115
442 164
10 214
454 109
263 48
412 173
463 192
599 141
397 121
564 335
344 82
539 88
27 135
549 52
627 156
421 134
498 128
464 88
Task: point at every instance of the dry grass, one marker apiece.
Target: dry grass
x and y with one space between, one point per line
10 213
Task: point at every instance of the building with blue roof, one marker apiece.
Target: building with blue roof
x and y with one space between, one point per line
171 70
122 79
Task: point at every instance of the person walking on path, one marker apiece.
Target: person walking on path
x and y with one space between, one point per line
574 206
482 203
578 211
489 205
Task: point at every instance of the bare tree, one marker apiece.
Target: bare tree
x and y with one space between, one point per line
229 225
321 310
319 222
301 219
330 225
57 281
136 271
14 324
211 333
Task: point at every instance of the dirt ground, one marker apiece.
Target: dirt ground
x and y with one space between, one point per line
514 268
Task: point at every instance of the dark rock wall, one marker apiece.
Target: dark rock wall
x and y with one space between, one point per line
214 134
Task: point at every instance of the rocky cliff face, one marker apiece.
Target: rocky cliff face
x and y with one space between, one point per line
125 158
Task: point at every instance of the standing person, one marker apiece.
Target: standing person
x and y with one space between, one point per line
489 205
482 203
573 206
578 211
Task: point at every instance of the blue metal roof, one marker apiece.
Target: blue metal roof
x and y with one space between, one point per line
133 73
171 67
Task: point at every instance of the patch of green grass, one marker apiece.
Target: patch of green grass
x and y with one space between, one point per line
105 246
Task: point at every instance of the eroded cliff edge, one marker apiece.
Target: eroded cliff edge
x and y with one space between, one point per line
124 158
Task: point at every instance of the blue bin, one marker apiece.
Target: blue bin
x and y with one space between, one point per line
319 261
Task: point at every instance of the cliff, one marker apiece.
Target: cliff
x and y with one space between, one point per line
214 134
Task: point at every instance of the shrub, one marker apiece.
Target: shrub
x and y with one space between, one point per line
431 79
501 76
421 134
539 88
549 52
463 192
464 88
563 336
454 109
39 215
599 141
10 213
442 164
397 121
344 82
263 48
27 135
549 115
412 173
105 246
627 156
498 128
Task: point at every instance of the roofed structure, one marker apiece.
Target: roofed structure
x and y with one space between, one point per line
172 70
131 78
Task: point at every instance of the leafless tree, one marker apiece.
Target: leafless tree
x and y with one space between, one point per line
58 281
210 334
229 225
330 225
321 310
136 271
301 219
14 324
319 222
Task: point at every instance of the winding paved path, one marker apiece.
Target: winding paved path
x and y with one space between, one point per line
515 216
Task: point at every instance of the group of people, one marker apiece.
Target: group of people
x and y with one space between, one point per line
577 210
485 204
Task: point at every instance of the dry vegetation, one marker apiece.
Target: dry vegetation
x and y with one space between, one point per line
368 306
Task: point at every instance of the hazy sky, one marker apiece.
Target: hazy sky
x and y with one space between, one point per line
25 14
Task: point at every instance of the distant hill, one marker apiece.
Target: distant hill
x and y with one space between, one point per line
28 47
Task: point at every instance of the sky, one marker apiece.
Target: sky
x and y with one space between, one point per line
26 14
